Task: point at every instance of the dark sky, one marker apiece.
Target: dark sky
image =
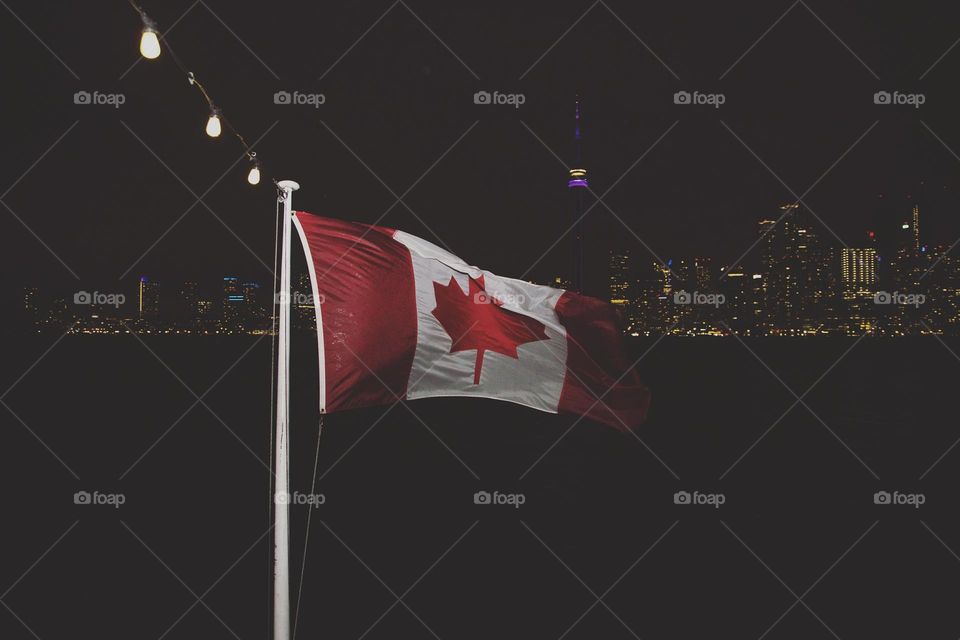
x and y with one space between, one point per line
399 98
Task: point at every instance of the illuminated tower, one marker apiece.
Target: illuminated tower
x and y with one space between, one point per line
577 183
916 227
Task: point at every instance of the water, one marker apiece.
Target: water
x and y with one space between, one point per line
399 494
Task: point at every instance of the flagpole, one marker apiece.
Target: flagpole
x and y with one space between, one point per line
281 511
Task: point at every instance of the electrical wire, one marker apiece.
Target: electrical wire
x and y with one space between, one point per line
214 108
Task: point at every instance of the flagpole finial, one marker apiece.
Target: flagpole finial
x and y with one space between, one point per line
288 185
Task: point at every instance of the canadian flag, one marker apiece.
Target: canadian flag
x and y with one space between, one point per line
401 318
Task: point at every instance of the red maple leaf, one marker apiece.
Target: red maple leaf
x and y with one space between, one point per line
477 320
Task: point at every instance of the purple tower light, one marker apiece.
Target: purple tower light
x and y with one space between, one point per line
578 175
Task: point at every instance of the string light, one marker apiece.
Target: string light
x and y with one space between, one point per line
254 176
213 123
216 122
149 42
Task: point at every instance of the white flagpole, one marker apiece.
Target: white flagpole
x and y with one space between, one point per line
281 530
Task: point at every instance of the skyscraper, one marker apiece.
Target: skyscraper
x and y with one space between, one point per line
702 274
252 311
189 302
740 290
817 278
233 303
859 277
619 274
666 283
915 227
858 269
798 274
781 269
148 298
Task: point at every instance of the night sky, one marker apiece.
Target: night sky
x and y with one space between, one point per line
489 184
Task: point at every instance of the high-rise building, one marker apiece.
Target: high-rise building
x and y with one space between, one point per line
819 271
859 275
915 227
702 274
941 309
781 269
858 269
742 299
825 288
665 284
233 304
652 307
620 280
148 298
798 274
189 302
767 252
252 311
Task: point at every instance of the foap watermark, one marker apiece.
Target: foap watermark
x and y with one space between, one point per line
896 498
485 97
109 99
710 99
97 298
896 297
313 500
514 299
895 97
697 297
297 298
714 500
511 499
114 500
297 98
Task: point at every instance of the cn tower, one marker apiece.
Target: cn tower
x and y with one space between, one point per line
577 183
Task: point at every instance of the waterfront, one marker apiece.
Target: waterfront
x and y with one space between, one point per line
401 493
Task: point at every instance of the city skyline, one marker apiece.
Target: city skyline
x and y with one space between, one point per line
795 282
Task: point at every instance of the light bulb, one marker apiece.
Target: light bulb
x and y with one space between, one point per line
213 125
254 176
149 44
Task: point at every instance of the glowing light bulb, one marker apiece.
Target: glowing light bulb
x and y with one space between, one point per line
213 124
254 176
149 44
